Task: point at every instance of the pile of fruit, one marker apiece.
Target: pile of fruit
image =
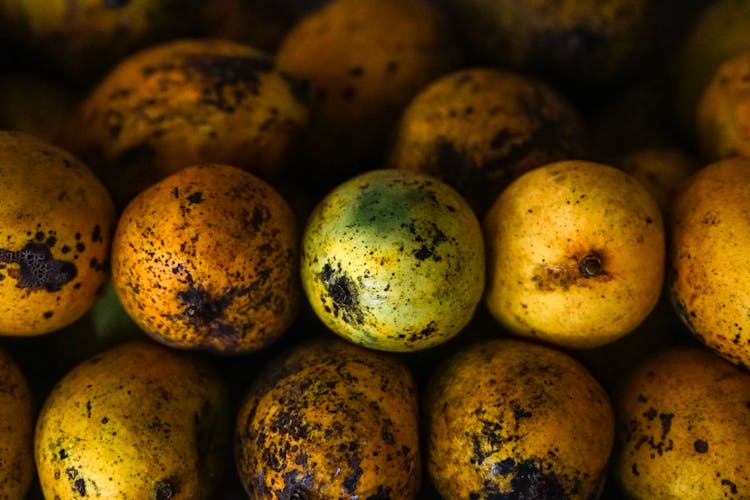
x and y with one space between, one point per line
374 249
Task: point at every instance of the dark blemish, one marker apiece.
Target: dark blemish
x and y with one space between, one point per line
78 236
88 409
288 423
114 4
39 236
239 72
352 480
732 486
391 67
590 266
202 309
97 266
38 269
65 249
700 446
634 470
490 434
356 71
71 472
80 486
642 398
520 413
649 220
506 466
51 241
63 454
261 214
80 247
105 420
195 197
47 314
423 253
529 481
96 234
666 423
176 192
650 414
387 436
164 490
296 486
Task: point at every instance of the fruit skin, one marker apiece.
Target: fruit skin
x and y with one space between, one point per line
56 224
393 260
16 432
364 59
572 40
330 420
478 129
187 102
137 421
576 254
710 276
208 259
512 419
683 428
724 111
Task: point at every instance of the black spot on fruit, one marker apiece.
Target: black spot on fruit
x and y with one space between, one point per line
96 234
700 446
590 266
240 72
530 481
296 486
164 490
38 270
202 309
80 486
352 480
343 293
195 197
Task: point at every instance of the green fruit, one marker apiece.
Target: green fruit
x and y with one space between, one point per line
393 260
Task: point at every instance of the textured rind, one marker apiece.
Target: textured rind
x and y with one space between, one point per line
16 431
330 420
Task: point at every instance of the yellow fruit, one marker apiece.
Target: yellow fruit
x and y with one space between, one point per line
207 259
510 419
575 254
16 431
188 102
393 260
365 59
724 111
710 264
137 421
682 428
478 129
55 227
330 420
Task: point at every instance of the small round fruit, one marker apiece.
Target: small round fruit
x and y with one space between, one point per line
683 428
573 40
510 419
16 431
137 421
710 283
330 420
56 220
478 129
365 59
575 254
188 102
393 260
724 111
207 259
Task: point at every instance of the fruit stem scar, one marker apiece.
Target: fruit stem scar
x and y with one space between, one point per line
590 266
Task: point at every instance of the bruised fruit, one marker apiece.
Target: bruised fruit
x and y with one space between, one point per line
208 259
710 281
16 431
683 428
137 421
393 260
330 420
510 419
364 59
478 129
188 102
724 111
576 254
573 40
56 223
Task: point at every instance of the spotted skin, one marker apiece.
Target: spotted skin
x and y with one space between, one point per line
511 419
208 259
330 420
393 260
56 222
16 432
